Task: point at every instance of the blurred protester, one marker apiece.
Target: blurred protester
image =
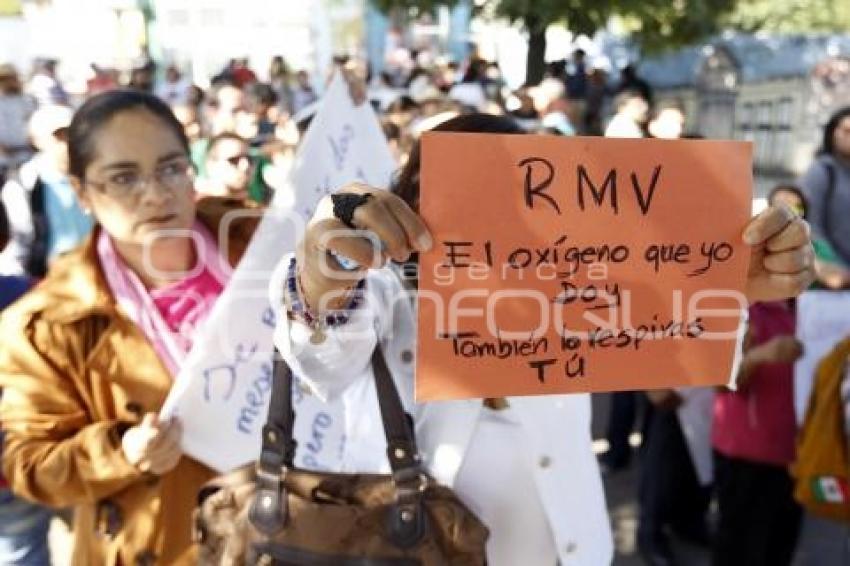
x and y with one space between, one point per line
90 355
754 435
196 96
445 75
102 79
142 75
557 70
494 83
671 493
44 85
189 116
394 138
668 122
262 105
831 273
23 525
827 187
225 103
630 81
174 89
46 218
753 438
597 102
381 92
576 83
525 114
229 167
552 106
279 78
15 111
632 111
241 73
303 94
222 113
469 92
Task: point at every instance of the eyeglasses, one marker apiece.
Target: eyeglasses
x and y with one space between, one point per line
127 184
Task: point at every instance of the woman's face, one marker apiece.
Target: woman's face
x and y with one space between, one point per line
841 138
140 180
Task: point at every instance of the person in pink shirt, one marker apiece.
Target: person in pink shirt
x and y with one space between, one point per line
753 438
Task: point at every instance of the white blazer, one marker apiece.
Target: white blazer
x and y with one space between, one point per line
557 426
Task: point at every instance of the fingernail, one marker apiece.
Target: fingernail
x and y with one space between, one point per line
425 242
750 237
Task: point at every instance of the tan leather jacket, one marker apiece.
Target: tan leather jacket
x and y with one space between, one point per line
75 373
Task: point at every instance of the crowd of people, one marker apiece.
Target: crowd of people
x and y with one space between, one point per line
93 339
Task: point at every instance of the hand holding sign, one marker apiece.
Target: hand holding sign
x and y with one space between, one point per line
152 445
386 227
782 262
587 264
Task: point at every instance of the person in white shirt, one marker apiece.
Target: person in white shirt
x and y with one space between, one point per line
632 112
175 89
524 465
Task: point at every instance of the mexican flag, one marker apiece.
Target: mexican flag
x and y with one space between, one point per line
831 489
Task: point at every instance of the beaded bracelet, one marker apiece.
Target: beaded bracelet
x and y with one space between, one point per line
298 309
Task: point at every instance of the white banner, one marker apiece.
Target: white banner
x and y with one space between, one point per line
823 320
221 395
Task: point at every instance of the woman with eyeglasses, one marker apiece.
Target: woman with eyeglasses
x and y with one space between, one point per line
88 357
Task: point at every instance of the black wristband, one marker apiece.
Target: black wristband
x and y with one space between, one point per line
346 203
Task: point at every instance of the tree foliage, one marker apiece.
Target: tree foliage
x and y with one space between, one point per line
790 16
655 25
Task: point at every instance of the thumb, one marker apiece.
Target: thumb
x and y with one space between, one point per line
150 420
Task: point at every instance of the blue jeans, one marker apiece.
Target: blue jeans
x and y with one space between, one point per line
23 532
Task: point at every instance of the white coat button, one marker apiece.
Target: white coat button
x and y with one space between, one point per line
570 548
545 462
406 356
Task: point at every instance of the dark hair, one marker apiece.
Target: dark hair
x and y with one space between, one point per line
391 130
97 111
262 93
220 138
406 185
828 146
790 188
475 72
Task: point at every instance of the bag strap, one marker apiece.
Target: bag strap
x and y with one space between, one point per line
268 512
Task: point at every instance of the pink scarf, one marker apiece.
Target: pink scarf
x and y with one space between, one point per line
170 316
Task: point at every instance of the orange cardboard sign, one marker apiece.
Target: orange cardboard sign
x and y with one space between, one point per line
579 264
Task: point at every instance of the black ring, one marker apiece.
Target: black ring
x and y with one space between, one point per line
346 203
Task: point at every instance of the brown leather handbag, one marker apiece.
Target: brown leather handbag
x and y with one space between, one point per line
274 513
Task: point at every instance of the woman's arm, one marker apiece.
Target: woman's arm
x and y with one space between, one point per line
53 453
815 183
